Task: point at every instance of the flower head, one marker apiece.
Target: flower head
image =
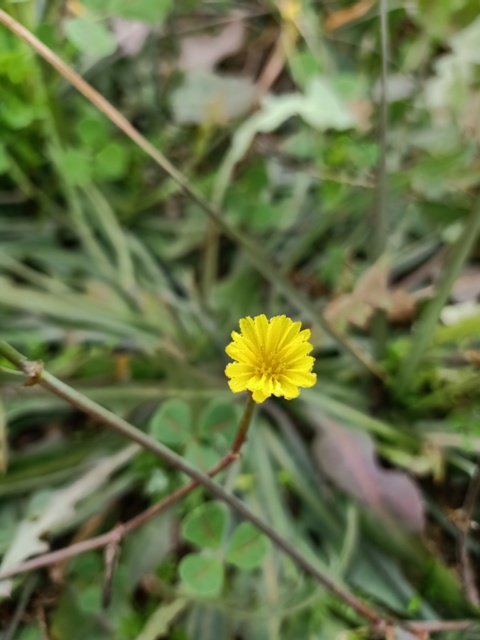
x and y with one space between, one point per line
271 358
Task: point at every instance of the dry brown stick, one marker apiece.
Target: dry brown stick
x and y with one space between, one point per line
434 626
120 531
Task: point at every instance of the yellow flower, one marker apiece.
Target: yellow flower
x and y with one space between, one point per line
271 358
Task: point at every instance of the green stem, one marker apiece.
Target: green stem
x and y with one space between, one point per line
37 375
461 250
380 225
244 424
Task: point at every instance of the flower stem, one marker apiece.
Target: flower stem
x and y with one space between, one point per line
244 424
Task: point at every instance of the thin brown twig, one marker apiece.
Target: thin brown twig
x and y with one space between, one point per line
434 626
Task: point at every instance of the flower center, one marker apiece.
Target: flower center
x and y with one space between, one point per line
269 366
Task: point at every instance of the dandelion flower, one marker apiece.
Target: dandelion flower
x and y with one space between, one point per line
271 358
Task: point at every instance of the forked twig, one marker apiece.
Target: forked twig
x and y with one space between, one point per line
97 412
102 415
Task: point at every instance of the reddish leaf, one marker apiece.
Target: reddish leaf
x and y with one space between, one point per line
347 457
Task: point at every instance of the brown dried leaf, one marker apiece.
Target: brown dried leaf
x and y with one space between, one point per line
371 292
402 306
372 286
348 308
362 110
347 458
342 17
467 285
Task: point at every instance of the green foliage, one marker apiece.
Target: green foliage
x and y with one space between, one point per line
247 547
90 37
202 575
200 455
205 525
219 418
154 12
172 423
113 277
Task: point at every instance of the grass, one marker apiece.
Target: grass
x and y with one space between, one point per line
109 272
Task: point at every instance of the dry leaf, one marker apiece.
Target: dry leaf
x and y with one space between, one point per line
371 292
362 110
348 308
342 17
467 286
402 306
347 458
203 53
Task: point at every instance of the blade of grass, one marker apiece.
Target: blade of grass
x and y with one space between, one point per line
255 253
460 253
380 222
113 234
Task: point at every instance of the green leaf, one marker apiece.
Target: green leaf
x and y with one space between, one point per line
219 417
90 37
205 525
15 113
76 166
93 131
111 162
4 161
147 10
160 622
30 633
202 575
172 423
247 547
200 456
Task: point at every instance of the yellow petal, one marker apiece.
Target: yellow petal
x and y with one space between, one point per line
259 396
240 352
238 384
304 362
261 329
235 369
301 378
291 330
289 389
295 351
247 326
276 330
